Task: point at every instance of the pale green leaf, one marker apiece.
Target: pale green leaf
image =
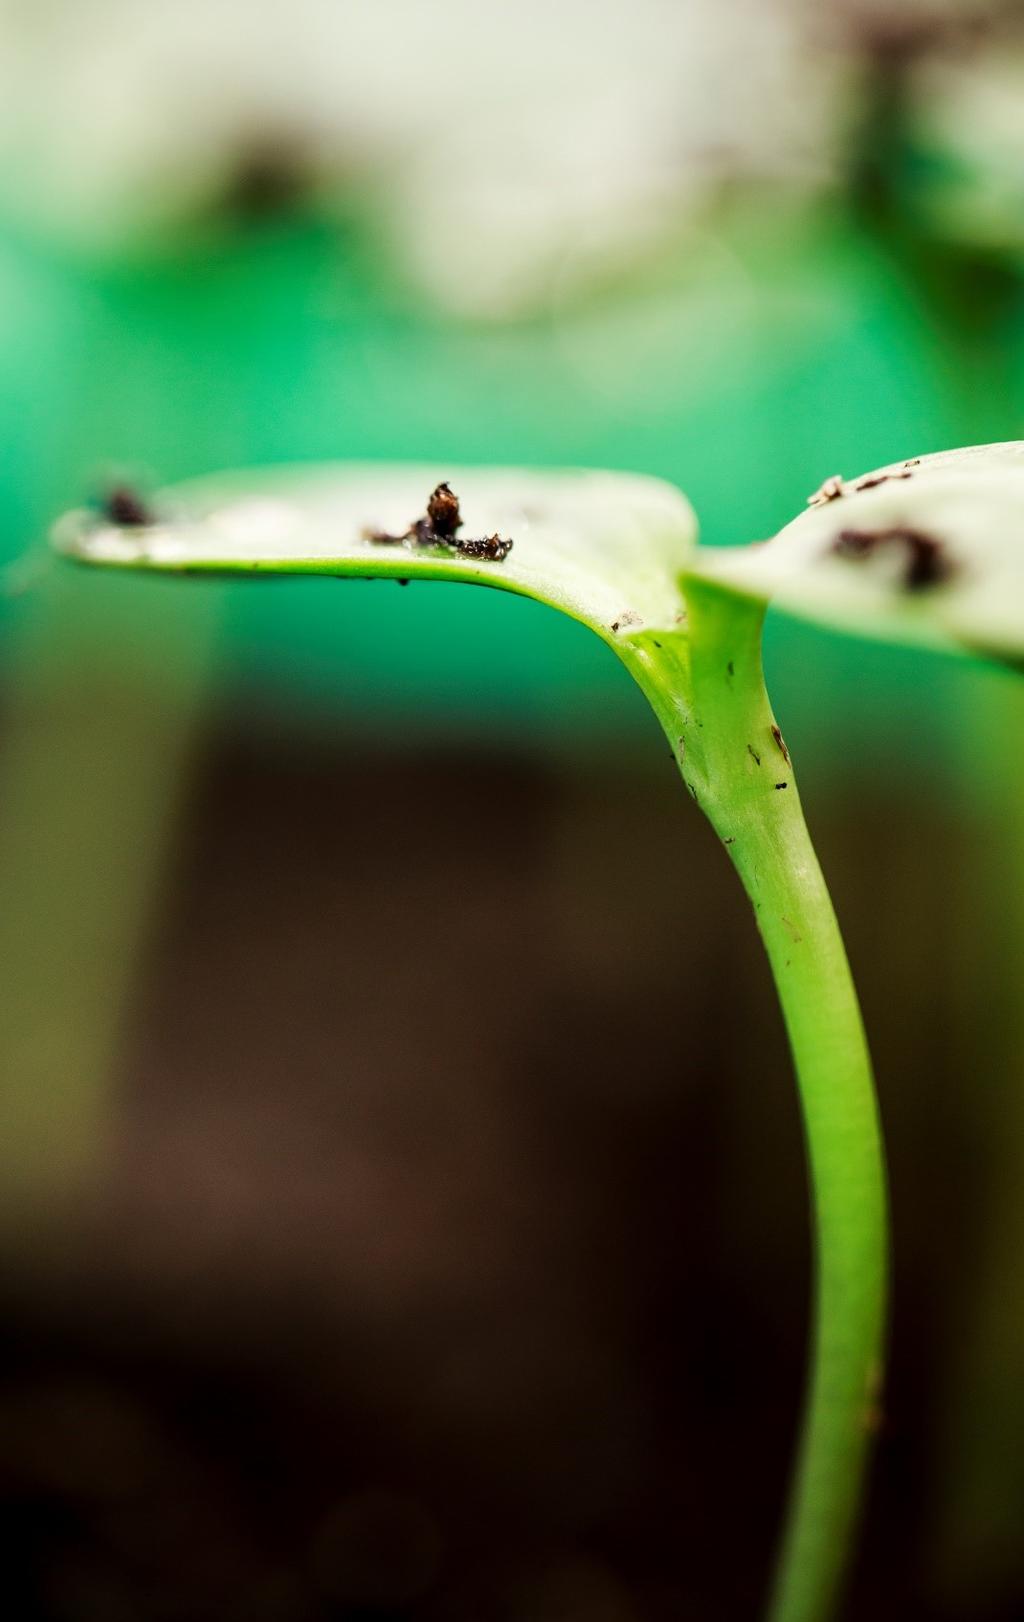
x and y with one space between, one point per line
930 551
605 548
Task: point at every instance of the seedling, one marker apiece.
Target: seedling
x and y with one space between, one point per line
618 553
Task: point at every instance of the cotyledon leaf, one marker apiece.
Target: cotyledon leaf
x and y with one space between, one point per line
929 550
606 548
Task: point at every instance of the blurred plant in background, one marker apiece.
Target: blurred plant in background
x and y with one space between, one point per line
492 151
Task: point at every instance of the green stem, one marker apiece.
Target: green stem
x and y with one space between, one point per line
707 689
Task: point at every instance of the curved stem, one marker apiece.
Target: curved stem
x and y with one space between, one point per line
707 689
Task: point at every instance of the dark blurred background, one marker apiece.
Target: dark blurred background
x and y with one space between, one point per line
402 1207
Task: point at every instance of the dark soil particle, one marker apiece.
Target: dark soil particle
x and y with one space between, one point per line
835 487
422 532
494 547
124 506
831 490
439 528
443 510
875 479
926 562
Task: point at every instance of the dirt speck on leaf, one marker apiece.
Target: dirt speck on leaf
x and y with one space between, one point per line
443 510
493 547
926 562
125 507
875 479
831 490
439 528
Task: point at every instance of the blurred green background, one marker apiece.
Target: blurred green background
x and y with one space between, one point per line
288 1232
